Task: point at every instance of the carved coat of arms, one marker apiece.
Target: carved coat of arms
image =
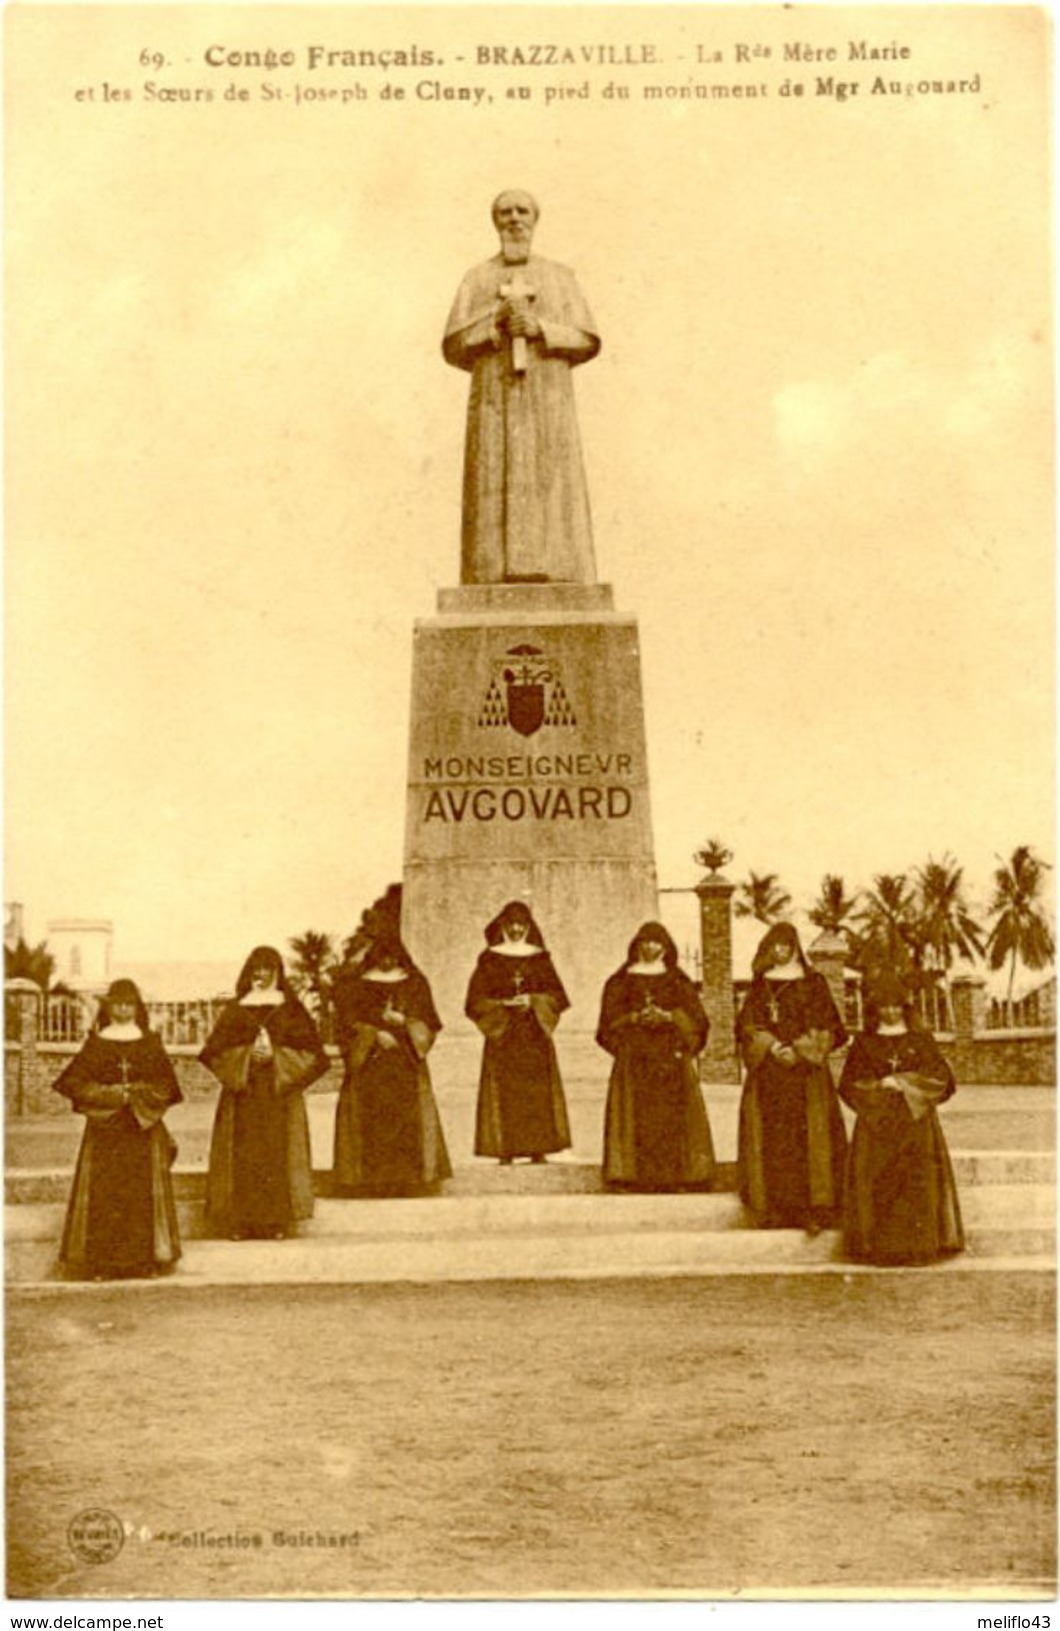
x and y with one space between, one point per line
525 692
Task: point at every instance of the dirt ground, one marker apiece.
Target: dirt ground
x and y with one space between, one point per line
891 1431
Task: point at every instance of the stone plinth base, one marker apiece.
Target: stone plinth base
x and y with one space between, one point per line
525 599
528 779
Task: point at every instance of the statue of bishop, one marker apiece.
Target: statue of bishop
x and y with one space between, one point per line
519 324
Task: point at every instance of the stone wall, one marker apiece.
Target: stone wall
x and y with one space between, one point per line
30 1072
991 1059
1003 1058
978 1056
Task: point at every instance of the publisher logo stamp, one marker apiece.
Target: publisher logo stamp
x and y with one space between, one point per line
96 1535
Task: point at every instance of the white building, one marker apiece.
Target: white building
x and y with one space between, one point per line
81 947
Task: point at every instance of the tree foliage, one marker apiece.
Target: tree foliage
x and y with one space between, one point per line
1020 932
885 920
24 962
833 907
943 926
312 962
762 896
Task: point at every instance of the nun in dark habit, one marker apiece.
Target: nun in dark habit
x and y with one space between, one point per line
264 1051
121 1221
656 1132
516 998
388 1134
901 1197
792 1142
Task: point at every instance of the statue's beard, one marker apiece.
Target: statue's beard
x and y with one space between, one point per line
515 246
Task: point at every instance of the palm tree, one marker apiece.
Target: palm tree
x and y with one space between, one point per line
314 958
886 922
944 926
762 896
713 856
1020 930
23 962
833 906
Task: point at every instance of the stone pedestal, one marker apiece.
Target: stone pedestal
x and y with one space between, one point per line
528 779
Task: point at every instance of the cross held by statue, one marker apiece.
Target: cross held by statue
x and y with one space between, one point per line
515 289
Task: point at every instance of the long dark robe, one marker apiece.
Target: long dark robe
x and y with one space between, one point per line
521 1107
121 1220
792 1142
526 506
901 1199
388 1134
656 1131
260 1176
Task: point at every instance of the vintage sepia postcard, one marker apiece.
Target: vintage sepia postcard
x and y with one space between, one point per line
529 946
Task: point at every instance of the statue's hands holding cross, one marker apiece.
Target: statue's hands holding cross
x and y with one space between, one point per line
515 317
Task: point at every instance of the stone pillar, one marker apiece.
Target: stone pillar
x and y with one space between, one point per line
828 955
27 997
968 1000
719 1062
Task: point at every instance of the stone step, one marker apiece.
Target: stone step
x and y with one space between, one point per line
451 1217
1025 1243
973 1167
561 1175
1009 1206
340 1260
551 1235
459 1218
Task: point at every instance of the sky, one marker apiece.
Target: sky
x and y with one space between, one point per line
818 441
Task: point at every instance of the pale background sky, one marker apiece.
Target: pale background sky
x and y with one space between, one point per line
818 441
